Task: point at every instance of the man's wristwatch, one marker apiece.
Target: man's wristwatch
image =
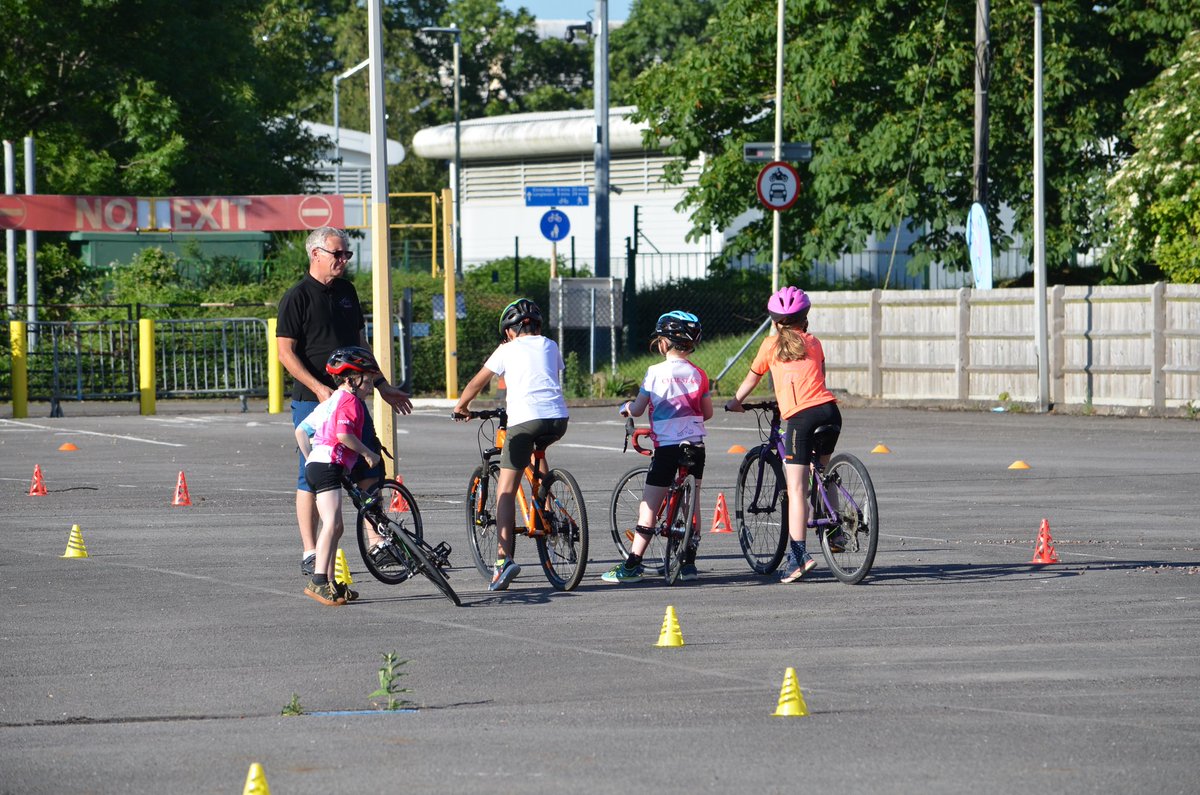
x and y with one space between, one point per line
378 381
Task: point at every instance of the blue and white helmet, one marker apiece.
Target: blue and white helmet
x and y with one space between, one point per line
678 326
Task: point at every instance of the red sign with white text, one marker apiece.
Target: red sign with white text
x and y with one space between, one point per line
48 213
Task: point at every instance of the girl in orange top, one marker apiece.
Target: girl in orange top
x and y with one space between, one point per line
797 365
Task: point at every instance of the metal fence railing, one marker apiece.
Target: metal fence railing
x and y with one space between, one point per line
89 360
226 356
98 360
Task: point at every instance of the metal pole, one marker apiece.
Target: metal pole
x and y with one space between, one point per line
337 125
381 272
776 245
601 154
458 265
592 346
612 323
30 252
10 235
983 76
1039 218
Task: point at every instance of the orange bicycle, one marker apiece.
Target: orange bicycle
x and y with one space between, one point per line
551 505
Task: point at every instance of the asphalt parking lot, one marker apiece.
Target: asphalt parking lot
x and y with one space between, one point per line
161 662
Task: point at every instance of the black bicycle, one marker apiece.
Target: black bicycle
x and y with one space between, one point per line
391 510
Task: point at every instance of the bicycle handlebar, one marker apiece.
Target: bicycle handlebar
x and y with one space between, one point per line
487 414
765 405
635 433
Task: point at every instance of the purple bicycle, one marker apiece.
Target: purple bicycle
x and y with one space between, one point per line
844 516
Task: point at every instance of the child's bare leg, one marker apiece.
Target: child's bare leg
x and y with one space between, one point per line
651 496
506 510
329 506
797 488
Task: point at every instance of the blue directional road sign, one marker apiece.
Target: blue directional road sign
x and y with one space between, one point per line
555 225
556 196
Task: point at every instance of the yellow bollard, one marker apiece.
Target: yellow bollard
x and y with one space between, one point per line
274 370
20 369
146 381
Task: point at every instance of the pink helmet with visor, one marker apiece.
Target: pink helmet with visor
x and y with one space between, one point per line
788 305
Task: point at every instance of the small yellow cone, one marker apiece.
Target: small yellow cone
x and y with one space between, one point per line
737 448
1018 464
256 781
881 448
341 571
791 700
67 447
75 546
670 634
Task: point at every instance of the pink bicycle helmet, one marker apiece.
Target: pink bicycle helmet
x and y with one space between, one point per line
788 305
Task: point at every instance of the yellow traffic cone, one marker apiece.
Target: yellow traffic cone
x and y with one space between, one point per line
881 448
670 634
791 700
1018 464
75 546
341 571
256 781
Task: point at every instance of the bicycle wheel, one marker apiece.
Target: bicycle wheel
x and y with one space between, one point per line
481 518
623 518
681 524
563 549
760 510
397 509
417 560
852 496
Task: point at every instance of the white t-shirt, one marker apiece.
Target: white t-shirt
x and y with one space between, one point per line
532 368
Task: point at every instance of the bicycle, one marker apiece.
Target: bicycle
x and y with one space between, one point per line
845 514
674 523
552 507
391 508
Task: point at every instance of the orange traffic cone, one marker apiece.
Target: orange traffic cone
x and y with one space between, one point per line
37 487
720 522
1044 551
181 492
399 504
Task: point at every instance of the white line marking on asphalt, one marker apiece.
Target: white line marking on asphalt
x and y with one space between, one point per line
61 431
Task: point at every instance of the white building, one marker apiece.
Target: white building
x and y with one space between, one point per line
503 156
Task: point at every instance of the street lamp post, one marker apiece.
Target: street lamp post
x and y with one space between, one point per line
337 125
457 34
1039 219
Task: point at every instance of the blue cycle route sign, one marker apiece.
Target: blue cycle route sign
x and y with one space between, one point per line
556 196
555 225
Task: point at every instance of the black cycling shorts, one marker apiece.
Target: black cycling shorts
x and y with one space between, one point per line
666 463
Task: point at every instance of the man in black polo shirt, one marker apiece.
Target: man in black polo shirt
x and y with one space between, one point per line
318 315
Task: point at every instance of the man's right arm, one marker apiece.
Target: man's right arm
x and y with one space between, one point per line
292 363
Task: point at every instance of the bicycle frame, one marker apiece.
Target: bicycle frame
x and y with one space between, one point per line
817 488
531 510
670 503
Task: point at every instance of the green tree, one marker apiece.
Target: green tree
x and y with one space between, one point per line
1153 195
158 96
885 92
655 32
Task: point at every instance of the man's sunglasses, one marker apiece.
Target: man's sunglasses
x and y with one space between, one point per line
341 253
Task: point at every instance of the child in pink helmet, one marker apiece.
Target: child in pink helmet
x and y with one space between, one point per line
796 362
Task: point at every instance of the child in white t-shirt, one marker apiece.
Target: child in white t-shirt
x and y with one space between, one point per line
537 414
677 393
